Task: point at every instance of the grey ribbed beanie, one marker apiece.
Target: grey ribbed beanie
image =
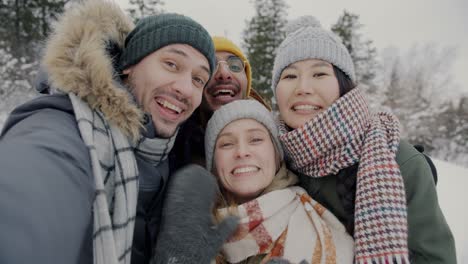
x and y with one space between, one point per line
306 39
239 109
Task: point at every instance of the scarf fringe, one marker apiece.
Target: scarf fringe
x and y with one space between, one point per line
390 259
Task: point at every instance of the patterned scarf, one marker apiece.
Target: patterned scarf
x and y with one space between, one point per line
116 178
288 224
346 134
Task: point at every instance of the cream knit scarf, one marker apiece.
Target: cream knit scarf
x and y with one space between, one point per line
289 224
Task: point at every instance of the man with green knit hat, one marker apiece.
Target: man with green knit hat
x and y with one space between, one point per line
85 175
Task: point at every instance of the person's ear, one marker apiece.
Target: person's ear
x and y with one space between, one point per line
127 71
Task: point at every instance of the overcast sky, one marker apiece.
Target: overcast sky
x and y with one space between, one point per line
398 23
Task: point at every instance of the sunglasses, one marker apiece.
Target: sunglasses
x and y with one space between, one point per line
235 64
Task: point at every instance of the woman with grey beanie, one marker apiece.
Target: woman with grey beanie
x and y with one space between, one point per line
277 220
353 160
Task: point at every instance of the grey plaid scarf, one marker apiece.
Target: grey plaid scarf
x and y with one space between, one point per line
116 178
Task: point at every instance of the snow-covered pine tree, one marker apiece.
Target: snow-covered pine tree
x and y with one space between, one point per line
262 35
450 132
25 24
142 8
363 53
421 91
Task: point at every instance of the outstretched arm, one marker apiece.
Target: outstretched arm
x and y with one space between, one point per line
46 192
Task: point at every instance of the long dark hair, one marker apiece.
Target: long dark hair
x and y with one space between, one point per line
344 82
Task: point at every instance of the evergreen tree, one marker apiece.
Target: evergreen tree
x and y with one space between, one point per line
263 34
25 25
444 131
362 52
421 92
142 8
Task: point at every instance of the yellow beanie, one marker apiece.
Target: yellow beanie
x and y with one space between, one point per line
224 44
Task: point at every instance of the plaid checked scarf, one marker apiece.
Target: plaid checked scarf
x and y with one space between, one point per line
116 178
287 223
346 134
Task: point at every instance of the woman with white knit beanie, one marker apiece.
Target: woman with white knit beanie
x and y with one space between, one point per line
277 220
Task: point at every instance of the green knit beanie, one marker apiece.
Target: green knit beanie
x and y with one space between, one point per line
154 32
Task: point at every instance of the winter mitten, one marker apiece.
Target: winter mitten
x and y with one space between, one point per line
283 261
188 234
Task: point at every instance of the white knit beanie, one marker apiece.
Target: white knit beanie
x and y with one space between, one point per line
306 39
239 109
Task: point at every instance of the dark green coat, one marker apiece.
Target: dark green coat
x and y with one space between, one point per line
430 239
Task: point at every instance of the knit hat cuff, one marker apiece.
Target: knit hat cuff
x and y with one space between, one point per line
320 49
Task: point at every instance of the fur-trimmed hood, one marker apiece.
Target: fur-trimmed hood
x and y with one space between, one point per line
77 61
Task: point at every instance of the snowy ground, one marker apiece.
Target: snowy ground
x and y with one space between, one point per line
452 189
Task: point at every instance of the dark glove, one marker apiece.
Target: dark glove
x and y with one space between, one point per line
278 261
283 261
188 234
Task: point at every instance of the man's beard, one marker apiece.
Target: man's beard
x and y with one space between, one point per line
208 106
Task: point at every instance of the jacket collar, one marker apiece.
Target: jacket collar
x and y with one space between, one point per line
77 60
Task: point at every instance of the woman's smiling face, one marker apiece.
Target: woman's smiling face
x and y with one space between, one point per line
245 159
305 89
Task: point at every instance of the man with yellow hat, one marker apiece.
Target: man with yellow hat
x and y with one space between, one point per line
231 81
232 78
